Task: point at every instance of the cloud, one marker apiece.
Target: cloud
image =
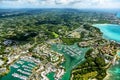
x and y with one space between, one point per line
27 3
67 2
59 3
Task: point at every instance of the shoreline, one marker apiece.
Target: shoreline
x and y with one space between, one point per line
107 76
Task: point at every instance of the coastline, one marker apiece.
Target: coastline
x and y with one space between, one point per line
103 30
113 35
107 76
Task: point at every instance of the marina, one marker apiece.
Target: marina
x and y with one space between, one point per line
23 72
73 56
20 70
19 76
15 66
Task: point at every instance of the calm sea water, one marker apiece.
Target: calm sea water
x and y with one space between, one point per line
118 15
111 32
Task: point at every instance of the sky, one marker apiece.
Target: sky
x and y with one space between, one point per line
107 4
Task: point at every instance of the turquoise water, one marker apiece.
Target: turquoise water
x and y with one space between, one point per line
70 61
51 76
114 72
111 32
118 15
118 53
15 70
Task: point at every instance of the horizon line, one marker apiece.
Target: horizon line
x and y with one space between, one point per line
58 8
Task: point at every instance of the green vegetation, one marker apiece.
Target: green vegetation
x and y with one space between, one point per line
70 41
37 56
45 24
90 65
55 35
